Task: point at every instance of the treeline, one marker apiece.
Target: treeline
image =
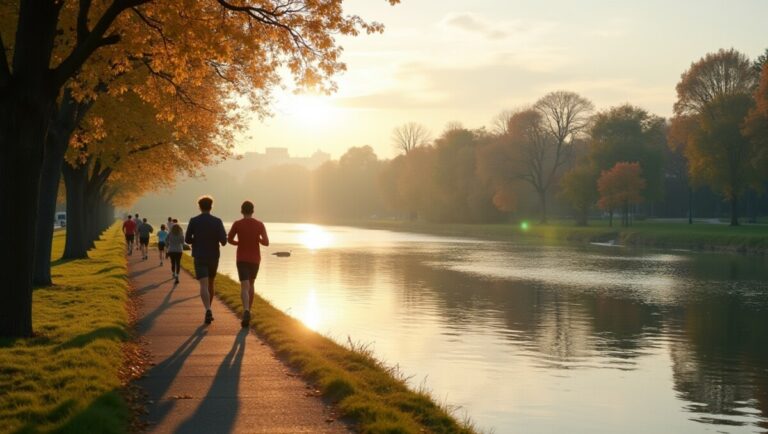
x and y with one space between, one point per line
557 156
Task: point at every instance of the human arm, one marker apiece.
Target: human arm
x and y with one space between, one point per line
222 234
263 237
232 233
189 236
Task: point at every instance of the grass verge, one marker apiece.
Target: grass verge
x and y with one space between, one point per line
702 236
374 397
66 378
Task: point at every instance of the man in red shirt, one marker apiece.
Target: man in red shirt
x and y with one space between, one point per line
251 234
129 229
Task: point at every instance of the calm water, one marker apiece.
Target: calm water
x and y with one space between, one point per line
540 339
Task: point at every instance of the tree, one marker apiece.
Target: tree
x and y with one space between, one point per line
579 187
717 92
628 133
680 129
620 187
297 35
500 123
409 136
720 154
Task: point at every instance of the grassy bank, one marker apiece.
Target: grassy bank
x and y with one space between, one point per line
374 397
699 236
65 379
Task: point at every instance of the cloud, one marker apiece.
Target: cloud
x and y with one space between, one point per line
473 23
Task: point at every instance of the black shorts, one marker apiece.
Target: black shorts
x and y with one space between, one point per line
206 268
144 241
160 245
247 270
129 238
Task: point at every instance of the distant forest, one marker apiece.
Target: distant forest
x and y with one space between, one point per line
556 158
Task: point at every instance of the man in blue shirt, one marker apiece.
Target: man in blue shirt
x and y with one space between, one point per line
205 232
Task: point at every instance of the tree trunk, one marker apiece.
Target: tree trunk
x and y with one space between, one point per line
690 205
734 211
49 189
582 216
543 200
56 142
76 246
22 131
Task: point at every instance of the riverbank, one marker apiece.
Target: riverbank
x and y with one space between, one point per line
68 377
751 239
369 394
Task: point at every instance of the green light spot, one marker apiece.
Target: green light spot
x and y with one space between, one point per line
524 226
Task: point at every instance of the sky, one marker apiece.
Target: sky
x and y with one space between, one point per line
440 61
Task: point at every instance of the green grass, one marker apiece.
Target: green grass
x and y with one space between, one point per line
699 236
368 393
65 379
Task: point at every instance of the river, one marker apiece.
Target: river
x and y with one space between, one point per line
524 337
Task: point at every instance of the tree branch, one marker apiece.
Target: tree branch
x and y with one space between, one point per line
93 40
5 70
82 21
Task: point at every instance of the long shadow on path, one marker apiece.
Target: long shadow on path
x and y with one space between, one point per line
165 372
225 385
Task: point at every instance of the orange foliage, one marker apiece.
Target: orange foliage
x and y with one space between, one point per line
620 186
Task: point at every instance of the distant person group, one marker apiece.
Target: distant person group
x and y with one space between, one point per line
205 233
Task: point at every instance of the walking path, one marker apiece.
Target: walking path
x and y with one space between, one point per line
218 378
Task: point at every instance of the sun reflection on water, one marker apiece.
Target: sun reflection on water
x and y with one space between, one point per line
314 237
311 316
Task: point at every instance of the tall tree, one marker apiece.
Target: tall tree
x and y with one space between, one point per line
628 133
297 35
620 187
410 136
720 154
717 91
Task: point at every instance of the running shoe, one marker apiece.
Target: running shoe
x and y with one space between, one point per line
208 316
246 319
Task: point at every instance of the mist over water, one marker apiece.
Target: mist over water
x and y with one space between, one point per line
534 338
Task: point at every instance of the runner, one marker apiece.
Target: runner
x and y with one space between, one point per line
129 229
144 230
205 232
175 242
137 220
251 235
161 236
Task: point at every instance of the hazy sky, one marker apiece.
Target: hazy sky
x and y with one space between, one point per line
451 60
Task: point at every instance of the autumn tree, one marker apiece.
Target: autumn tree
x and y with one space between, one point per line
409 136
620 187
717 92
579 187
45 57
629 133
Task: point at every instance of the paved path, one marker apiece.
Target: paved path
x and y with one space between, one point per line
218 378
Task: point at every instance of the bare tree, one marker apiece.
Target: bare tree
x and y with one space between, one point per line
500 123
409 136
564 116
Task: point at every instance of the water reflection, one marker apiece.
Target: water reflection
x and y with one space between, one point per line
543 339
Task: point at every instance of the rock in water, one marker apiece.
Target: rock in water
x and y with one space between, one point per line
282 254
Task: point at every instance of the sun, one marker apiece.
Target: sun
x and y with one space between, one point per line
308 110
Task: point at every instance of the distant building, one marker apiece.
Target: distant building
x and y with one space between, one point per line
271 157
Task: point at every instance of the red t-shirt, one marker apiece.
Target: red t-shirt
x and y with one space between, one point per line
248 231
129 226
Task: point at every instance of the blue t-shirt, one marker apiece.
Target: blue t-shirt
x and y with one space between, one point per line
205 232
161 236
